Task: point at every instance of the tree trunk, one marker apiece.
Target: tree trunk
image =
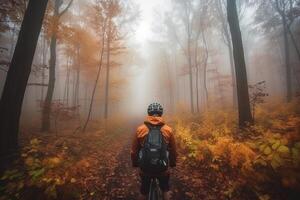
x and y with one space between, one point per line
51 85
294 41
46 118
197 88
67 82
44 54
287 59
245 116
77 86
232 71
17 77
205 69
107 71
197 75
95 86
190 74
52 62
228 43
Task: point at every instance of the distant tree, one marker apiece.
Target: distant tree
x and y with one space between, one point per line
100 27
187 16
52 63
188 24
278 16
224 29
118 15
17 76
245 116
113 10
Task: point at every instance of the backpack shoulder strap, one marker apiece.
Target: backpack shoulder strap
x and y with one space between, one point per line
152 126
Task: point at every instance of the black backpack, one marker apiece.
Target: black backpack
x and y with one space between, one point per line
154 155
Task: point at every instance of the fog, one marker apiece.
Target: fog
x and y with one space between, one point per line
153 64
77 78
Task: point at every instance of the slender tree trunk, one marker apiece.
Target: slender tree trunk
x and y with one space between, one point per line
17 78
96 83
51 85
205 69
46 118
287 59
190 74
43 67
228 43
68 86
107 70
197 75
77 86
197 88
294 42
74 89
66 89
245 116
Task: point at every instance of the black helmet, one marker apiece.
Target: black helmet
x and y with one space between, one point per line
155 109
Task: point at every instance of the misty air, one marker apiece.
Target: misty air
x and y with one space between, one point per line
149 99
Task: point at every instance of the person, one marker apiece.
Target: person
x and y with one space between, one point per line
154 119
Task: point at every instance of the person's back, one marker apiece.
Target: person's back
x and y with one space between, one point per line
141 138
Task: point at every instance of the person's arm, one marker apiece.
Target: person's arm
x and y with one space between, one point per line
172 150
134 151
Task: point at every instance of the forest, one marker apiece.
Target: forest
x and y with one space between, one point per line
77 77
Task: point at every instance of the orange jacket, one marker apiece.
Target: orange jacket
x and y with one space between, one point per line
141 134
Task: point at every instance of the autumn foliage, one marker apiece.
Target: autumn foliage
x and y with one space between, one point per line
215 158
263 156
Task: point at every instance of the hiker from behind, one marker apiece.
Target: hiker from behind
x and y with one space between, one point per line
154 151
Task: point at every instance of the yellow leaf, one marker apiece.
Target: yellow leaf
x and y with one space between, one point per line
267 150
276 145
283 149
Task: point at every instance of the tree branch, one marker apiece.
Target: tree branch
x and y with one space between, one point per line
37 84
65 10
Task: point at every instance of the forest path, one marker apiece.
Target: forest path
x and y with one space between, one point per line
123 181
101 166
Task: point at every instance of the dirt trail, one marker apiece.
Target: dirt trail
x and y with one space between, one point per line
111 176
123 183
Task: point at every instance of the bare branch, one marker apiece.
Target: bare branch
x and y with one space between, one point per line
37 84
65 10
